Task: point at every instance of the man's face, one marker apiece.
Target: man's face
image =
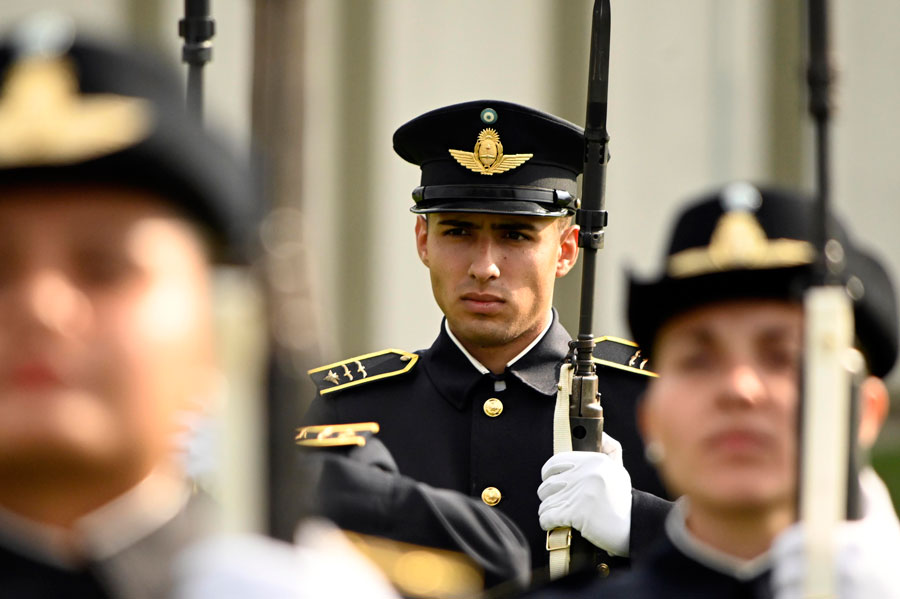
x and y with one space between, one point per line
105 330
724 408
493 274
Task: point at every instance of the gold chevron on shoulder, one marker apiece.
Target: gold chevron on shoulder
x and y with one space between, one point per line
622 354
363 369
335 435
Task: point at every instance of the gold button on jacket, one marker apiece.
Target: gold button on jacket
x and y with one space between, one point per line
491 496
493 407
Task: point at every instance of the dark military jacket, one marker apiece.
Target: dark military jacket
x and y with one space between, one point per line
143 570
664 571
487 436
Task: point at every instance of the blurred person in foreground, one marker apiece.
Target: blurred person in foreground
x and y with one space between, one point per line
114 209
725 325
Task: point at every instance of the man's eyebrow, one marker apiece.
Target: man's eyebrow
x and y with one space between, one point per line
778 334
501 226
451 222
697 335
514 226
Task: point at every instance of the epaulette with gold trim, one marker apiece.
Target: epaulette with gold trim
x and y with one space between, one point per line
621 354
420 571
336 435
362 369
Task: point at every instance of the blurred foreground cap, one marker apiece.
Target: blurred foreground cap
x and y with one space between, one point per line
747 242
76 111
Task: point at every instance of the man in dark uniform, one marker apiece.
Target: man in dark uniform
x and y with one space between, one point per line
113 209
468 423
725 325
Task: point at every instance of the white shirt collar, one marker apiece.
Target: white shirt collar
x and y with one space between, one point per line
712 558
478 365
104 532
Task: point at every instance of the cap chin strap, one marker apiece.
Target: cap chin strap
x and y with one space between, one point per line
559 539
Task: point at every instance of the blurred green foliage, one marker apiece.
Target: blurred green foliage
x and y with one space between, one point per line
886 453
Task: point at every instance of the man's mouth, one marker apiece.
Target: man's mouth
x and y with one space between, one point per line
739 441
34 375
482 303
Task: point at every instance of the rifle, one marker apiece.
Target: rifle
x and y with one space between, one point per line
829 480
197 28
245 506
583 411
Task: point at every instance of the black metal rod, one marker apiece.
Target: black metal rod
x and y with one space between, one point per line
195 92
819 80
592 216
197 28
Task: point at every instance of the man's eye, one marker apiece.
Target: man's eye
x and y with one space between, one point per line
781 359
457 232
517 236
696 361
100 270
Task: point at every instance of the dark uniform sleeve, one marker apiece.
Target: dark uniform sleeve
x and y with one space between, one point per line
320 412
360 490
648 516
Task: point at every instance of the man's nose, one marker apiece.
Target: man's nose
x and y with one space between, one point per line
484 265
743 385
50 300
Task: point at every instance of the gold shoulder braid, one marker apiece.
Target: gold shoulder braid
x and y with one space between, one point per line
621 354
362 369
335 435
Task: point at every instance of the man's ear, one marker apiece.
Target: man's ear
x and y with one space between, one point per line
874 402
653 448
568 250
422 239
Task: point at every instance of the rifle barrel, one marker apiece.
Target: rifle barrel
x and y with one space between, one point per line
592 216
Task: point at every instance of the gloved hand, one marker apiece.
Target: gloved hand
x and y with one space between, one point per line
865 552
590 492
321 563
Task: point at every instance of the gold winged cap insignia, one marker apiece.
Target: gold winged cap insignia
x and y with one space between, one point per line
45 120
488 157
740 242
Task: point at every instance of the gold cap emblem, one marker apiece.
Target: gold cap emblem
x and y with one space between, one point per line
44 120
488 157
739 242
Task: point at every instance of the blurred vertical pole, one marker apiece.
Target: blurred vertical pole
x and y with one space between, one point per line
787 150
145 25
570 27
197 28
277 106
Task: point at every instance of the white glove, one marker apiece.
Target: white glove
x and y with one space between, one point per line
322 563
865 552
590 492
